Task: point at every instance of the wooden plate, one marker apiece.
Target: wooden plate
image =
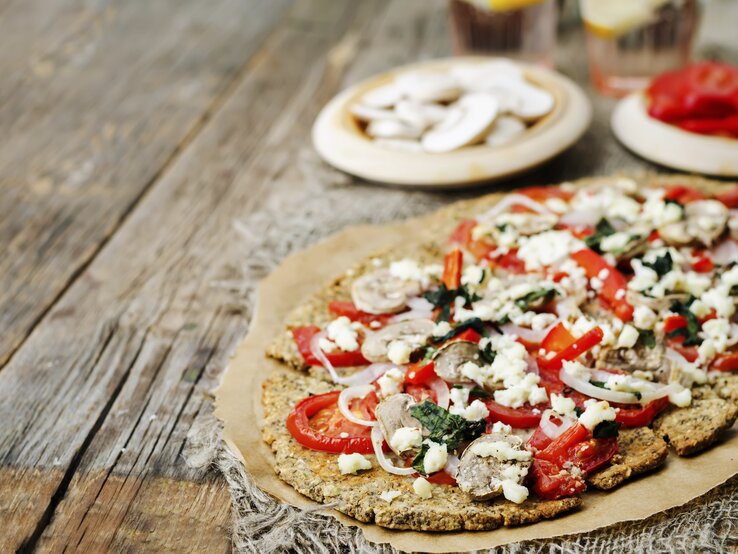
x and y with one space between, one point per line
670 146
340 141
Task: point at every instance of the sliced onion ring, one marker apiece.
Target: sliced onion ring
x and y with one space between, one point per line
385 464
363 377
344 403
577 218
513 200
552 430
528 335
725 252
585 387
439 386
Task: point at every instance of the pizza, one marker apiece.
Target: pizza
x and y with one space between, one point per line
529 347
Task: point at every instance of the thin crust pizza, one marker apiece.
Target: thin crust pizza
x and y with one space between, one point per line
531 346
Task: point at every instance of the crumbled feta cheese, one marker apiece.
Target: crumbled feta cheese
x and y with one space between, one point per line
499 427
352 463
720 299
341 332
541 321
500 450
644 277
472 275
390 383
459 398
525 390
473 372
582 325
596 413
546 248
475 411
406 438
422 488
628 337
435 457
562 405
327 345
615 242
682 399
644 317
399 352
576 369
442 328
699 308
407 269
389 496
626 383
514 492
557 205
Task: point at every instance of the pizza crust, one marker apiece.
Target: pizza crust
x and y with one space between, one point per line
692 429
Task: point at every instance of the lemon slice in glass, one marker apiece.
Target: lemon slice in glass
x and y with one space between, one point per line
612 18
507 5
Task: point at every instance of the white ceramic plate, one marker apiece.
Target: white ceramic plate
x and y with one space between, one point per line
340 141
670 146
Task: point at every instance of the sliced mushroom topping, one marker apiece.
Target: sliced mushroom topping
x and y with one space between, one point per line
413 332
704 221
477 114
505 130
481 476
392 128
383 97
638 358
380 292
393 413
449 359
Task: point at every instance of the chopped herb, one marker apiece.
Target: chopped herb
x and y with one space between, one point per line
602 230
578 411
691 331
444 314
473 323
661 265
606 429
546 295
487 355
733 290
599 384
480 392
646 338
673 201
444 298
422 354
445 427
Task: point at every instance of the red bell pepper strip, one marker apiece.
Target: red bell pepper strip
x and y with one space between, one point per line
557 451
349 309
642 416
729 197
452 265
418 374
304 335
588 340
557 339
613 286
674 322
703 263
725 362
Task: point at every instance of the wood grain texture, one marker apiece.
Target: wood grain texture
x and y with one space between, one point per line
95 99
108 384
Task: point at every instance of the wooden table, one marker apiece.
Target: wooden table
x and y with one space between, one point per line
133 135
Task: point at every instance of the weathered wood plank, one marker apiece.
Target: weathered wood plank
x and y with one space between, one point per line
95 99
107 385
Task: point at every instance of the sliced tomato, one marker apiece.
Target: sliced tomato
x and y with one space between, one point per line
539 440
613 286
317 423
703 263
421 392
557 339
468 335
519 418
629 416
441 478
462 236
591 454
674 322
682 194
725 362
452 265
510 262
550 483
690 353
349 310
587 341
303 336
729 197
420 373
543 193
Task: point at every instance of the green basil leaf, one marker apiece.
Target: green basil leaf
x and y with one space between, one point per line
606 429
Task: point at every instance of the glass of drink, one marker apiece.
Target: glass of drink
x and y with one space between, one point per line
631 41
520 29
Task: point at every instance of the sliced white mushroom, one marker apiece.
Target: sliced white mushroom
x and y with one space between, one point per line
505 130
393 413
385 96
380 292
419 114
393 128
449 359
429 87
534 103
477 114
368 113
413 332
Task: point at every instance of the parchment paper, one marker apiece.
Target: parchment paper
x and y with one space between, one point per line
238 405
